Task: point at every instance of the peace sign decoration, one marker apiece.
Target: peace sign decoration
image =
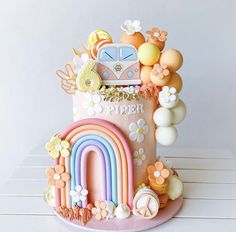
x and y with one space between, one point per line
146 204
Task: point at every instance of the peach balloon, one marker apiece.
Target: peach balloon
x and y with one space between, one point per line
145 73
136 39
175 82
172 58
156 80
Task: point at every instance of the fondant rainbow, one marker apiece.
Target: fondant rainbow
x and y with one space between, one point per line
107 141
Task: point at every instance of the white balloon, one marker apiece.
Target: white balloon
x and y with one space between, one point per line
163 117
166 135
179 112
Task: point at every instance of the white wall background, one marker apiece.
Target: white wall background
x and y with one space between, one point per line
36 38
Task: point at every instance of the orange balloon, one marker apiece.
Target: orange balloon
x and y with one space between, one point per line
172 58
136 39
145 73
176 82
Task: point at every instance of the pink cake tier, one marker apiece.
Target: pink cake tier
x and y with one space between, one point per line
125 101
132 118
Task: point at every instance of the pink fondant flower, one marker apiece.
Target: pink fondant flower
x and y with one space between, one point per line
160 70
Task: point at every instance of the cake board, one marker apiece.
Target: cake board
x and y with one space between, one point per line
133 223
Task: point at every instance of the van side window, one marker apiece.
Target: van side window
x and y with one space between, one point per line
108 54
127 54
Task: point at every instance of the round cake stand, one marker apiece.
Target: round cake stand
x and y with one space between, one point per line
133 223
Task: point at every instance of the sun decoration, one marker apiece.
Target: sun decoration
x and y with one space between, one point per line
57 176
158 173
57 147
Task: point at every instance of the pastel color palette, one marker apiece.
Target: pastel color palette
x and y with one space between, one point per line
107 141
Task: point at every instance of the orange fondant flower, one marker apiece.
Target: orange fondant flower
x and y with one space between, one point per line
57 147
57 176
160 70
157 173
156 34
99 211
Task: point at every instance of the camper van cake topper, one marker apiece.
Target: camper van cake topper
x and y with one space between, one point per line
118 64
126 99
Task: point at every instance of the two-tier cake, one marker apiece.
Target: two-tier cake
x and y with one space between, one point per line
125 101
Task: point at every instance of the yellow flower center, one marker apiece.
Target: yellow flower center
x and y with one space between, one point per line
139 156
139 130
167 94
91 104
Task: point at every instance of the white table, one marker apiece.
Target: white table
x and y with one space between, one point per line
210 194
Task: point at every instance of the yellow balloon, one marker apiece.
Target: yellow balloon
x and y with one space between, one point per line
148 54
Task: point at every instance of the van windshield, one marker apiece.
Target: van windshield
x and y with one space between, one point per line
127 54
108 54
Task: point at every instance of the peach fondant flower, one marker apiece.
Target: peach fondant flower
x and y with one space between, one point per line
155 34
99 211
157 173
160 71
57 147
57 176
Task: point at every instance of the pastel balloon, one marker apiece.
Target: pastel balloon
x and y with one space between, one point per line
148 54
136 39
175 82
145 73
166 136
179 112
163 117
159 81
172 58
176 187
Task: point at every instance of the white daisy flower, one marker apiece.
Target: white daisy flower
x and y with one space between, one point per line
79 194
139 156
92 103
79 61
138 130
168 97
130 27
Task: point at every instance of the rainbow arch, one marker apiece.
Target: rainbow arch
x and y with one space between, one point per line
107 141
